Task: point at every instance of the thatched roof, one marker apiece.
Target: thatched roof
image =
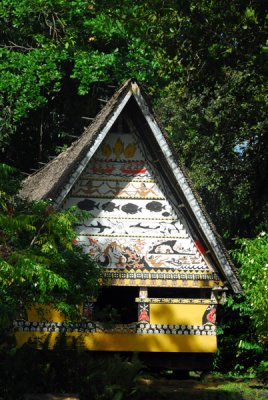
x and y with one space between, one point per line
55 180
48 181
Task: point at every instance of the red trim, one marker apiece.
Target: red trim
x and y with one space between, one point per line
200 247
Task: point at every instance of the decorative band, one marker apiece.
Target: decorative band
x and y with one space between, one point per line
115 179
162 300
134 218
95 327
177 329
166 276
136 236
85 196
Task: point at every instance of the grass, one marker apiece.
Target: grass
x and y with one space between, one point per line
210 390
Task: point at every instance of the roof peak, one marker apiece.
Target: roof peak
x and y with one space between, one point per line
56 179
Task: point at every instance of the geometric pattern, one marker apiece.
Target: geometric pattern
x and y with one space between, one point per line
164 300
90 327
177 329
134 228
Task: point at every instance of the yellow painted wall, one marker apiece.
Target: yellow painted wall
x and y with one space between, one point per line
129 342
44 313
180 314
169 314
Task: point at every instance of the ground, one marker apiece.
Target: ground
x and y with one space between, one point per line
163 388
212 389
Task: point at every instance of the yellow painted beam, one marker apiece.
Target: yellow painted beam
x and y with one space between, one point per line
177 314
126 342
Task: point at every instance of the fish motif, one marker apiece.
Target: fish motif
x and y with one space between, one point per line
87 205
98 226
140 225
155 206
131 208
166 214
110 206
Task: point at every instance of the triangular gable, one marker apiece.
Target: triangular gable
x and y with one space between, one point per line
159 186
134 227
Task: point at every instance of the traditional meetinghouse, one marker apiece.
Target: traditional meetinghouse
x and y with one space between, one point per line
164 267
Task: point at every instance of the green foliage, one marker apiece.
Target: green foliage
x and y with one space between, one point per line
112 378
239 351
215 111
50 50
39 261
252 256
262 371
108 316
92 375
23 76
243 320
92 66
205 65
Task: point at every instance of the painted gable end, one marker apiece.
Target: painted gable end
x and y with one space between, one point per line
161 256
167 186
135 228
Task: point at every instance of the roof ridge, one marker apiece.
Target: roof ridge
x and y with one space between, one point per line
55 179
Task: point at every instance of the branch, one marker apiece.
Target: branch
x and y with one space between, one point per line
16 46
37 234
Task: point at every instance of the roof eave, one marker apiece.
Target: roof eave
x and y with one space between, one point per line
60 173
202 220
80 152
100 137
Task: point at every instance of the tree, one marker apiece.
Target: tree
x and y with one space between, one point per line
243 328
203 63
252 256
39 262
57 58
216 111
